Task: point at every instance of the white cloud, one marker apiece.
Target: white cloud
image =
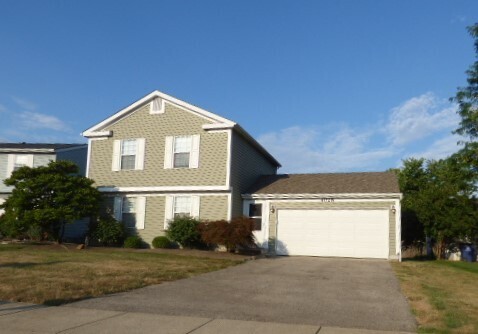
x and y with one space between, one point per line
440 148
35 120
24 104
300 150
370 147
418 118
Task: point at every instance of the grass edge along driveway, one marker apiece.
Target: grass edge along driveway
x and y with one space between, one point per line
443 295
56 275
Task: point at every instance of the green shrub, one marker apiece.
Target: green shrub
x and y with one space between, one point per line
238 232
184 230
161 242
35 232
108 231
133 242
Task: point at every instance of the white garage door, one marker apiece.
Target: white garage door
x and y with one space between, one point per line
342 233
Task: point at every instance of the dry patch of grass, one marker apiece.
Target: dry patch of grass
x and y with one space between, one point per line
443 295
55 276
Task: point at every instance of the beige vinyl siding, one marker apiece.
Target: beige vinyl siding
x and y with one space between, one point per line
337 205
211 208
247 164
154 128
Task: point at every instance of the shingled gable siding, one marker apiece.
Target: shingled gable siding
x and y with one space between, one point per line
211 208
247 164
337 205
154 128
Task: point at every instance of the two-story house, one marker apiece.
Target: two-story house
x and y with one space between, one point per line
162 157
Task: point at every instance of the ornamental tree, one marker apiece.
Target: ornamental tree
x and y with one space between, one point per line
47 197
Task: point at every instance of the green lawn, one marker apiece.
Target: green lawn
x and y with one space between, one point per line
443 295
55 275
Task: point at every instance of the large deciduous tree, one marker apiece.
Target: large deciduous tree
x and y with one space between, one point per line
48 197
467 97
438 201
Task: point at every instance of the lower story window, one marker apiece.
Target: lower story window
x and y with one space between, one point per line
129 212
255 212
182 206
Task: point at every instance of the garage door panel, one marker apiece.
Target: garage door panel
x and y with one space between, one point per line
343 233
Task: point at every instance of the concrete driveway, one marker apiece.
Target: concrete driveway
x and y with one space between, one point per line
301 290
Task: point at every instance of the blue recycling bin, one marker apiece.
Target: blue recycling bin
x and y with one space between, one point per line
468 253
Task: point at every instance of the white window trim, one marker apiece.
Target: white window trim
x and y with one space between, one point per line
12 159
193 153
140 210
170 204
157 106
117 154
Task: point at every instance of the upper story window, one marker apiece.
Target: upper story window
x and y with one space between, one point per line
16 161
128 154
22 160
181 152
255 212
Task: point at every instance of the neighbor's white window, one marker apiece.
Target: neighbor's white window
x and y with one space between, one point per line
181 206
128 154
130 211
182 152
15 161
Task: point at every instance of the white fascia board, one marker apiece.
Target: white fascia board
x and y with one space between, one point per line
163 189
94 134
218 126
213 117
320 196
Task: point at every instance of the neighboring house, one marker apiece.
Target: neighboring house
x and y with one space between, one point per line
16 155
161 157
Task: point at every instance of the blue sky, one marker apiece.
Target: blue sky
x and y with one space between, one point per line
325 86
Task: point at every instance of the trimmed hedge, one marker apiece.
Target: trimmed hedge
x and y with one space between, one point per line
184 230
133 242
161 242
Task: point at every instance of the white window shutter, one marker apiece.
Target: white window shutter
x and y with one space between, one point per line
168 152
118 208
194 156
115 165
195 203
10 164
168 213
139 162
140 212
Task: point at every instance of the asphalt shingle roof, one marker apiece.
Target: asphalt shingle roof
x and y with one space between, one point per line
327 183
36 146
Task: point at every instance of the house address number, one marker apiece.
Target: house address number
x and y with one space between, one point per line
327 200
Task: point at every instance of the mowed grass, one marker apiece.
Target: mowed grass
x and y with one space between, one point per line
443 295
56 275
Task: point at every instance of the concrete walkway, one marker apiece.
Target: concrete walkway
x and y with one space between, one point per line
22 318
